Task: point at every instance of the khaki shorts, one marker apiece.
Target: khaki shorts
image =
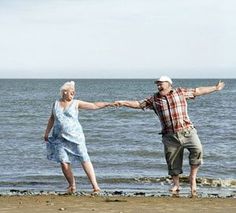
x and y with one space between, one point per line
174 145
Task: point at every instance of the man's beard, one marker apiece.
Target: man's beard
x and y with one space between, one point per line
160 89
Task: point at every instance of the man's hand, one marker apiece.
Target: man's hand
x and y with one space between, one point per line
220 85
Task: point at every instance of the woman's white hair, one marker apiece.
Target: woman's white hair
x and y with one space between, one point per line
66 86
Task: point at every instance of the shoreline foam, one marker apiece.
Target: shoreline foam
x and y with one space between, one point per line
182 194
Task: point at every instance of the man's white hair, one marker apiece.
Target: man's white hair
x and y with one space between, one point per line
66 86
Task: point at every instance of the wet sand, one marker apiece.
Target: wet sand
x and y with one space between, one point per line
116 204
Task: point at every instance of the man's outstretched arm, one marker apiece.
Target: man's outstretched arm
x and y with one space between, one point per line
206 90
130 104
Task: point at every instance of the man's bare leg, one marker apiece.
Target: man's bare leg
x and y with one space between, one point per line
175 180
192 180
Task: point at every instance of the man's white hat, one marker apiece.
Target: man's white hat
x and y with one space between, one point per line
164 78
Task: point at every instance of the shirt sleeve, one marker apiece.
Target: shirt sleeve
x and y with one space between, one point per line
147 103
188 92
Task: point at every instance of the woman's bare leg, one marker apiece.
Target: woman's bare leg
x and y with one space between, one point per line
89 170
67 171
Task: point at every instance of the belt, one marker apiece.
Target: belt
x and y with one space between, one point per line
180 131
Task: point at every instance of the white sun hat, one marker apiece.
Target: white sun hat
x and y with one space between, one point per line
164 78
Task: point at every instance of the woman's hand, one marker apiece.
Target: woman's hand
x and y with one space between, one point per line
45 138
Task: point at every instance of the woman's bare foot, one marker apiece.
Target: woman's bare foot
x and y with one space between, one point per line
71 190
96 191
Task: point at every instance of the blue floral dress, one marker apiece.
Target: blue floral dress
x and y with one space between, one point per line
67 143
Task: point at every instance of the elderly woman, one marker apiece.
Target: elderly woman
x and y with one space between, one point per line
67 143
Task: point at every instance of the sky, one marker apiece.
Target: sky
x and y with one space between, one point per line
117 38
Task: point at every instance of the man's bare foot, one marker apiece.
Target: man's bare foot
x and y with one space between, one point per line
175 188
193 194
193 186
175 184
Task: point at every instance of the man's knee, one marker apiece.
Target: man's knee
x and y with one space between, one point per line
195 158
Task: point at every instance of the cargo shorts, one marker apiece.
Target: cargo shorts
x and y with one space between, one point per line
174 145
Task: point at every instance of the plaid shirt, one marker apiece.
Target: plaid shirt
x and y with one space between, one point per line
171 109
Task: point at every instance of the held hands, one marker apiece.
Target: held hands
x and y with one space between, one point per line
115 104
111 104
118 103
220 85
130 104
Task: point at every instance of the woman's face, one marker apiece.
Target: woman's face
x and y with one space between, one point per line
68 94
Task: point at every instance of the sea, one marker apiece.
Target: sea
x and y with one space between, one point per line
123 143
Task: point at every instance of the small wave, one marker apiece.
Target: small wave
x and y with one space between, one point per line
40 181
217 182
203 181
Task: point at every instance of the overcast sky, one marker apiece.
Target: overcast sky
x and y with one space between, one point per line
117 38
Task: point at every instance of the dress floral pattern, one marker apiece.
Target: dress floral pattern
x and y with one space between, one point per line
67 143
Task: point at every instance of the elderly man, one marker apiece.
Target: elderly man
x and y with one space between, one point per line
178 132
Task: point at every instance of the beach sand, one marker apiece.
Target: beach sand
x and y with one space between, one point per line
115 204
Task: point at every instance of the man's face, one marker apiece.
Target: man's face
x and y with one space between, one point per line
163 85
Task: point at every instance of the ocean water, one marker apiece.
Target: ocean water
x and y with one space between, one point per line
124 144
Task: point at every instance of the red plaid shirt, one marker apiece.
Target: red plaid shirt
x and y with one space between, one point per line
171 109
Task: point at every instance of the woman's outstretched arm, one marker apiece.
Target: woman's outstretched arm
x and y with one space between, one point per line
94 105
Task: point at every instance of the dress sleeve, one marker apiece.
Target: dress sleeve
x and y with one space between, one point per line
53 107
76 102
